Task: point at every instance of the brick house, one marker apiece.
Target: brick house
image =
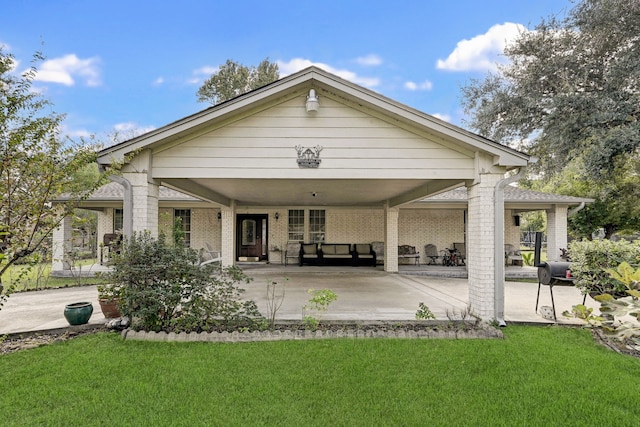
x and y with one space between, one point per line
315 158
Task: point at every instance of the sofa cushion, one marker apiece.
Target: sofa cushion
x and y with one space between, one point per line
309 249
343 249
328 249
363 249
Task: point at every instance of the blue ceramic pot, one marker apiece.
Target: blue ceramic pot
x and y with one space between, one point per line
78 313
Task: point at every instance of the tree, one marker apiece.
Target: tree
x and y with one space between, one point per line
571 97
234 79
36 167
572 89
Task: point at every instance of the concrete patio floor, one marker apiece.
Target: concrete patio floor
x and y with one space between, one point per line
363 294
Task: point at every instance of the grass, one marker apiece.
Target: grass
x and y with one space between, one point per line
536 376
39 277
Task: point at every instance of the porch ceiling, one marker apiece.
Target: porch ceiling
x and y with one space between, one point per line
296 192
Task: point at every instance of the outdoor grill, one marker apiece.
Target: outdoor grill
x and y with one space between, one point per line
549 271
553 274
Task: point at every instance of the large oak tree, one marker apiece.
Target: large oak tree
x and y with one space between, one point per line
570 95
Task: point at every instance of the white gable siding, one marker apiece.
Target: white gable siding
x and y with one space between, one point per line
355 145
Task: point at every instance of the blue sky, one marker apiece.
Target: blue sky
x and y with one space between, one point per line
135 65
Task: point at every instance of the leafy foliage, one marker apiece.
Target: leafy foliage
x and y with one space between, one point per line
591 262
615 208
165 288
424 312
570 96
36 167
620 316
234 79
316 306
574 85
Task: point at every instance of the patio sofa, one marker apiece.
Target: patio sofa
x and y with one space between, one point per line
337 254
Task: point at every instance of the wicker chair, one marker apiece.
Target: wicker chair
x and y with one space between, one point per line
292 251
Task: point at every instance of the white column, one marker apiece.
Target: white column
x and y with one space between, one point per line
391 240
228 243
145 203
61 244
556 232
481 241
104 226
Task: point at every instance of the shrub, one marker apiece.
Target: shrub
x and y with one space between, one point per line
592 259
316 306
424 312
165 288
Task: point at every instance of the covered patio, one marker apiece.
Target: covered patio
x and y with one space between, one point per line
314 158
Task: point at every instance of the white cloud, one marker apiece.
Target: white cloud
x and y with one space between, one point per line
201 74
297 64
158 81
445 117
425 85
370 60
66 69
132 129
74 133
482 52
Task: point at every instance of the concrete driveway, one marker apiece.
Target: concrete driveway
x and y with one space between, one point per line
363 294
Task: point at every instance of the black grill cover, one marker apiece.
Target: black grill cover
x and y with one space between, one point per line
548 270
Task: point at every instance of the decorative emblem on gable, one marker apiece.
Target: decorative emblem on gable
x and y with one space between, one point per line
308 157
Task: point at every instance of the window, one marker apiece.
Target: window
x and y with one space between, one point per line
315 232
316 225
185 219
118 220
296 225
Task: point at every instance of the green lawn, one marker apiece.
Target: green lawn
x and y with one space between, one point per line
536 376
39 277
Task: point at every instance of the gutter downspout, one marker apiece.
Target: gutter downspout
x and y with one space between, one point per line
499 243
575 210
127 203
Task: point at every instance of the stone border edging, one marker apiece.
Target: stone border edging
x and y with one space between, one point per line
290 335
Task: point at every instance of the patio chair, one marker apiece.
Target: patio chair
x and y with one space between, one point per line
210 255
292 251
431 252
512 256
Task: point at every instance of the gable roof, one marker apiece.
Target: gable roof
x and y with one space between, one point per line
325 82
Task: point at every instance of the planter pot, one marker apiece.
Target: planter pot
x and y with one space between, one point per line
110 308
78 313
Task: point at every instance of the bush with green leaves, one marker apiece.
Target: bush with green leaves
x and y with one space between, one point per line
591 260
424 312
620 316
165 288
316 306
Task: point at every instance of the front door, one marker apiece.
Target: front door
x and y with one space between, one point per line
251 234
